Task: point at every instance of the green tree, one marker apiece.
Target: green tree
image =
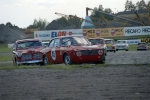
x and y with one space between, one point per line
38 24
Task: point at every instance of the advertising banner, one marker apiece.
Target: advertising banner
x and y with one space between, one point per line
48 35
147 40
135 41
103 32
142 30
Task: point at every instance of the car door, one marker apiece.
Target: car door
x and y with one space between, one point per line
57 50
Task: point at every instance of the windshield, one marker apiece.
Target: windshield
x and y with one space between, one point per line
121 42
141 43
74 41
109 42
96 41
27 44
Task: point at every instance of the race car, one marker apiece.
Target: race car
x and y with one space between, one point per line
100 42
142 46
27 51
72 50
122 45
111 46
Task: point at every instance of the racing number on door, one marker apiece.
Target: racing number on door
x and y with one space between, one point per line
53 54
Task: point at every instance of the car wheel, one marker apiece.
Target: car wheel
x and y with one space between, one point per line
15 62
114 51
101 61
67 60
45 61
127 50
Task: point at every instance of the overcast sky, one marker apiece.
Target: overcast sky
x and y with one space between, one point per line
23 12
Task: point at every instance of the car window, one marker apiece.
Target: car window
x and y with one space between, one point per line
51 43
57 42
66 41
27 44
109 42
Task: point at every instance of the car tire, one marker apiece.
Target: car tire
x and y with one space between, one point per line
116 49
127 50
102 61
45 61
67 60
15 62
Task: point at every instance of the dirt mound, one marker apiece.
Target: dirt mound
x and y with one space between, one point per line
9 35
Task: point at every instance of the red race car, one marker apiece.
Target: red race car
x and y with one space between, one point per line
71 50
100 42
27 51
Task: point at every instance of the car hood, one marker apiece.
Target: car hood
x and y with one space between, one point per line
120 44
31 50
86 47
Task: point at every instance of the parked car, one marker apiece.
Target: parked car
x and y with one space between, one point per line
27 51
72 49
122 45
149 46
45 43
142 46
100 42
110 43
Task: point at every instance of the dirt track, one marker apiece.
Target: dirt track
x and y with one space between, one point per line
98 83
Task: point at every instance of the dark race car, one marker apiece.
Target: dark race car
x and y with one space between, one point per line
100 42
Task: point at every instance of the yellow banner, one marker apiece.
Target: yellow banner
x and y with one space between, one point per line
103 32
147 40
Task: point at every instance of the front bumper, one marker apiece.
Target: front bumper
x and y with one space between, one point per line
29 62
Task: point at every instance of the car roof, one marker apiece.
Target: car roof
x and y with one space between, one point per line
95 38
67 36
121 40
108 39
28 40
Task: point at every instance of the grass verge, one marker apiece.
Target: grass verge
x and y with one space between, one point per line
4 48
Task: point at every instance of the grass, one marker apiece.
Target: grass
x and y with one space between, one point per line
5 58
133 47
4 48
9 66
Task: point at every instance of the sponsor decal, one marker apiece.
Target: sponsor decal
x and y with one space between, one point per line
53 54
70 33
104 31
112 32
98 32
84 33
130 31
44 35
36 36
146 30
133 41
54 34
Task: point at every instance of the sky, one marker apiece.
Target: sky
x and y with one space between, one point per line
23 12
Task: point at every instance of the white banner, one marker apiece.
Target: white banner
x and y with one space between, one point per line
135 41
48 35
142 30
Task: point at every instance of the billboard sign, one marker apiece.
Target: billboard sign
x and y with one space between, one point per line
142 30
48 35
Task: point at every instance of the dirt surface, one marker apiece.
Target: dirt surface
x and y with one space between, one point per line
122 82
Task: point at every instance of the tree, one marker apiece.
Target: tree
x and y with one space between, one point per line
129 6
9 25
38 24
141 5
